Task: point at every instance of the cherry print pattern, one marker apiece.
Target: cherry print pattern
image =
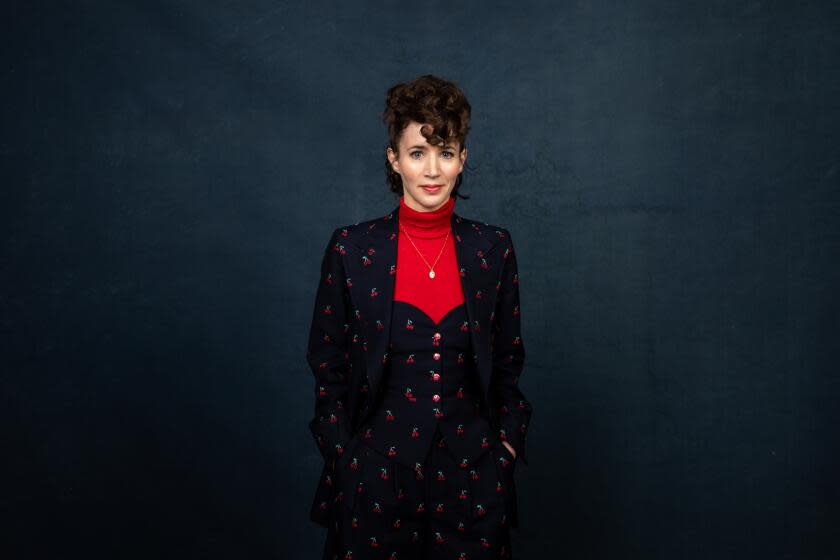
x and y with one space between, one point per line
454 514
351 355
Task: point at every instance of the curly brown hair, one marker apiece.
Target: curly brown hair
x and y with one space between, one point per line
432 100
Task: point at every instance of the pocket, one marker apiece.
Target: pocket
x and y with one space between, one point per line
505 464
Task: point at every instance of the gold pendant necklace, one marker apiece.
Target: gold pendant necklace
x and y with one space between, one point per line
431 267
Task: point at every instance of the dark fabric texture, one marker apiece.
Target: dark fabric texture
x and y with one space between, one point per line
351 347
437 509
431 384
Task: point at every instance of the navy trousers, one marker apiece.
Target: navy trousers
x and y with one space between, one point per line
437 510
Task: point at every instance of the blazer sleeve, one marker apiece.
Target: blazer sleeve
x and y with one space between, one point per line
514 410
328 355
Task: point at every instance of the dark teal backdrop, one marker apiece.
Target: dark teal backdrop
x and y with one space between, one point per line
172 172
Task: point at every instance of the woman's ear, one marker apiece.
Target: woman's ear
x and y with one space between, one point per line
392 157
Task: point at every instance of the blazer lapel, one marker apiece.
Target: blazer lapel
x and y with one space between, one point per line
372 274
478 282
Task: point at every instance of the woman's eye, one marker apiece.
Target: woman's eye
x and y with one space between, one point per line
416 153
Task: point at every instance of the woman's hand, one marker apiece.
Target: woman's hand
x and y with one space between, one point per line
509 448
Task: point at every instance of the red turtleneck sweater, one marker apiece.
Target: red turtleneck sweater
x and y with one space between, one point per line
434 296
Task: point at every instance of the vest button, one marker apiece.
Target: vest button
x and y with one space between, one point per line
436 355
435 376
437 336
436 397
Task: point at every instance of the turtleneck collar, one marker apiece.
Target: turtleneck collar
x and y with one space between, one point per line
427 224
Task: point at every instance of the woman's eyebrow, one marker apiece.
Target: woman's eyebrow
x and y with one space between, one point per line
425 147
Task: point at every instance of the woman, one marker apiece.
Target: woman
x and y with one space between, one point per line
416 349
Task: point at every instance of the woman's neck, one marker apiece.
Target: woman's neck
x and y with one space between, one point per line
428 225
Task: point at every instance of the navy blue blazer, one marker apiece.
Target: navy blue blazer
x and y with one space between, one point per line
349 335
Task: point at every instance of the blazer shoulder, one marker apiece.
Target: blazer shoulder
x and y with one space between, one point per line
493 233
355 233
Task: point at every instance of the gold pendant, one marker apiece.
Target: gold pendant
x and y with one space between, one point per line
431 274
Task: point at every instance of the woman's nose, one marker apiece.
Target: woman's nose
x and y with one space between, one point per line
432 166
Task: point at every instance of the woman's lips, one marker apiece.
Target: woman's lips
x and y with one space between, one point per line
431 189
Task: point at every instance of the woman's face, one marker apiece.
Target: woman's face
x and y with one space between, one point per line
422 165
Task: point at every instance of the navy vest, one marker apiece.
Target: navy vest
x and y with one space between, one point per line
430 391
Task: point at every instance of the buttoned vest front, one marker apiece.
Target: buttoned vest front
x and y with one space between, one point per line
430 388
